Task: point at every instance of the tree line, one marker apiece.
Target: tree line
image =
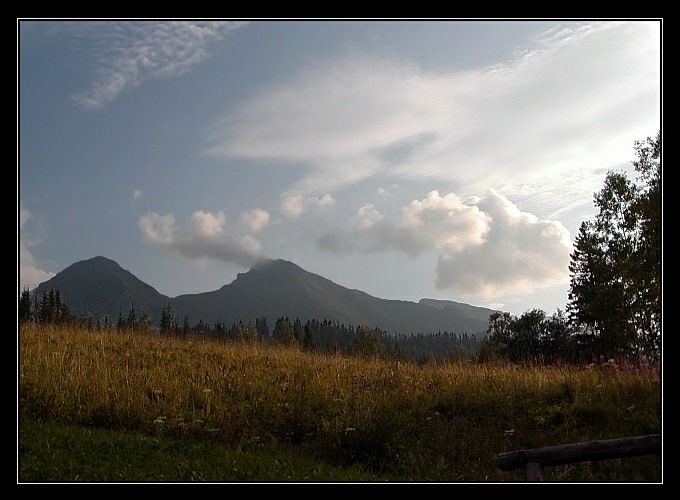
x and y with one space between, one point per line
322 336
614 306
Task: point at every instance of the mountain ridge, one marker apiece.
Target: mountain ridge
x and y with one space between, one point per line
272 288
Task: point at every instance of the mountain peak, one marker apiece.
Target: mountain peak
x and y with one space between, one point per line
269 263
271 267
272 288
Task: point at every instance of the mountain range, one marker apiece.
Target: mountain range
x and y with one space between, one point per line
272 289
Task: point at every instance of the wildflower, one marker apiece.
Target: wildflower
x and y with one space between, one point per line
510 432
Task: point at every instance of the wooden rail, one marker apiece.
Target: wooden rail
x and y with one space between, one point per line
533 460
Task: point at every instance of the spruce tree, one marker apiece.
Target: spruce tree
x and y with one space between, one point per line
615 287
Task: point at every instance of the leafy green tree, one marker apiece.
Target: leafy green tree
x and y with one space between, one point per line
615 288
559 342
367 342
500 336
648 257
532 337
528 336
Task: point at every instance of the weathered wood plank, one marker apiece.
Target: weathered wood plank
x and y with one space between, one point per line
581 452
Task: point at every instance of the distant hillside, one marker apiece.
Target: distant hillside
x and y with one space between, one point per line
272 288
99 287
481 313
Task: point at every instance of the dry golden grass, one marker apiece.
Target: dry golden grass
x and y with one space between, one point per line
398 420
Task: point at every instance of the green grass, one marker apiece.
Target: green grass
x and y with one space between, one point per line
53 452
112 406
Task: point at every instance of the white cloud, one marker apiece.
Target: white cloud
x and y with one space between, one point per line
255 220
366 217
137 194
487 247
580 98
435 222
448 222
293 206
206 235
520 254
30 272
206 224
129 53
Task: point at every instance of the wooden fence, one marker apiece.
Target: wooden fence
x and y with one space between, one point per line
533 460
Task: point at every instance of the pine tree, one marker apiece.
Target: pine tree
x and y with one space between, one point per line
25 310
615 288
308 340
167 321
283 332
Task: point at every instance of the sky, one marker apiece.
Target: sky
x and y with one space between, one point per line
409 159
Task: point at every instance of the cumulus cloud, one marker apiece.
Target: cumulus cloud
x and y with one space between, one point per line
585 91
293 206
255 220
206 235
435 222
520 254
31 273
129 53
487 247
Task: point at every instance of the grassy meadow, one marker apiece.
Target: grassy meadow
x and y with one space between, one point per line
108 406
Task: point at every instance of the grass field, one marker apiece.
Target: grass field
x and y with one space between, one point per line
127 407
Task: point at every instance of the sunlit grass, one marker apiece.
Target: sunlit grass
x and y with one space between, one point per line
392 420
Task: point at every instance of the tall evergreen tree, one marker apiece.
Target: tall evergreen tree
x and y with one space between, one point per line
648 258
168 320
283 332
25 309
120 324
615 288
132 315
308 340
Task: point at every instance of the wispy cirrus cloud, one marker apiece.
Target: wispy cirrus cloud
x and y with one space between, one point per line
128 53
572 95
